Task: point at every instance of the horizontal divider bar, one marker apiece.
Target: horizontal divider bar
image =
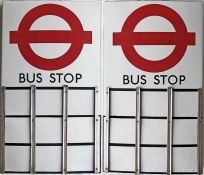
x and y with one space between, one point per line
68 172
185 118
17 116
151 145
17 144
49 88
185 173
187 145
48 172
47 116
172 172
81 172
50 144
147 117
115 171
185 90
122 117
153 90
110 144
133 145
153 172
119 117
151 117
17 172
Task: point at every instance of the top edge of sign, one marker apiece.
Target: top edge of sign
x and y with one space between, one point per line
154 0
116 0
54 0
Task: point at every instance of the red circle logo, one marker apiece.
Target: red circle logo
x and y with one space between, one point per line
76 36
127 38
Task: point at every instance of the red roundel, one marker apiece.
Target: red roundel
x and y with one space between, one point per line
76 36
127 38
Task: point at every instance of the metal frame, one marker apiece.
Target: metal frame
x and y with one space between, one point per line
2 130
96 133
107 143
169 146
199 134
64 128
138 132
170 131
32 129
106 131
95 116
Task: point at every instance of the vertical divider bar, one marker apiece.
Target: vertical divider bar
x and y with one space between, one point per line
2 129
199 134
106 135
138 132
32 128
64 129
170 131
96 132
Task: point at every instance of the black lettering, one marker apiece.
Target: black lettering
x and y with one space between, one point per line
143 79
137 79
163 78
22 78
39 78
126 79
30 78
52 78
156 78
67 76
59 76
182 78
78 77
172 80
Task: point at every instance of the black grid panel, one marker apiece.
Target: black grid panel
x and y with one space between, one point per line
133 117
81 144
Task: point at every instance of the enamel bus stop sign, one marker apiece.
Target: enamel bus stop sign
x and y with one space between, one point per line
181 38
51 44
24 37
153 45
50 71
72 74
153 59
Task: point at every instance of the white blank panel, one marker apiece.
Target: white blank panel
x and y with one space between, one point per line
153 131
81 102
17 130
122 130
185 104
48 130
153 159
48 158
185 132
80 129
17 158
122 158
185 159
123 103
17 102
49 102
154 104
80 158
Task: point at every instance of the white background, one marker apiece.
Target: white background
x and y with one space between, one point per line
83 64
190 65
0 43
